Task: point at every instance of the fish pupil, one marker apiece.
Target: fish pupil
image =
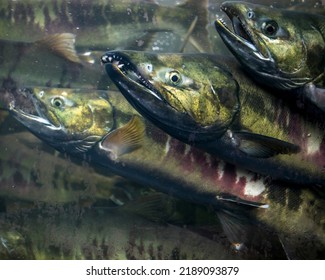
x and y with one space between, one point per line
57 102
270 28
174 78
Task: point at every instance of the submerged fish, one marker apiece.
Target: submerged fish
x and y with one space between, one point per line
69 232
36 181
282 49
102 24
54 62
33 172
102 128
208 102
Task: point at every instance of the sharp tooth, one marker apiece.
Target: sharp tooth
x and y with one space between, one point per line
221 20
12 105
120 65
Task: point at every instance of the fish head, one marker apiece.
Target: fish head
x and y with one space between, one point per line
67 119
271 43
180 93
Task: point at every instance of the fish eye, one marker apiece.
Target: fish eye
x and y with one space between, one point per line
174 77
250 14
57 102
270 28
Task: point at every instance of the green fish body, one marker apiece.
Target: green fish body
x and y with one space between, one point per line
45 196
279 48
208 102
56 232
102 128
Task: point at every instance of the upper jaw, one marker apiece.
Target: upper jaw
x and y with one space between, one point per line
232 39
27 109
121 64
241 38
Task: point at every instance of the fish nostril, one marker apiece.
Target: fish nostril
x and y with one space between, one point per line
250 14
26 91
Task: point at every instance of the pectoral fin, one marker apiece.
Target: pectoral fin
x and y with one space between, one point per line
125 139
62 44
262 146
249 236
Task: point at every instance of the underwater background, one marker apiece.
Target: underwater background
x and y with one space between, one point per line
57 206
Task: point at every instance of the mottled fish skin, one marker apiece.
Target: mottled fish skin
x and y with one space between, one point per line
279 48
207 101
70 232
80 122
100 24
217 44
160 160
33 172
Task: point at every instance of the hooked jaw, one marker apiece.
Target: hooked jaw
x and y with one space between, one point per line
241 41
28 110
139 92
250 51
119 63
41 121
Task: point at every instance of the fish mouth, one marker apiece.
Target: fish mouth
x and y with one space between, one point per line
32 113
29 111
241 39
121 64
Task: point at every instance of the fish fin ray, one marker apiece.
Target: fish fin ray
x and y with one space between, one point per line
62 44
233 227
249 236
126 138
262 146
151 206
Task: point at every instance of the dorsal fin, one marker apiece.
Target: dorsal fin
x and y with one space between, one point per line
62 44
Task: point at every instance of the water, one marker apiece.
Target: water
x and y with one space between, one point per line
56 206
